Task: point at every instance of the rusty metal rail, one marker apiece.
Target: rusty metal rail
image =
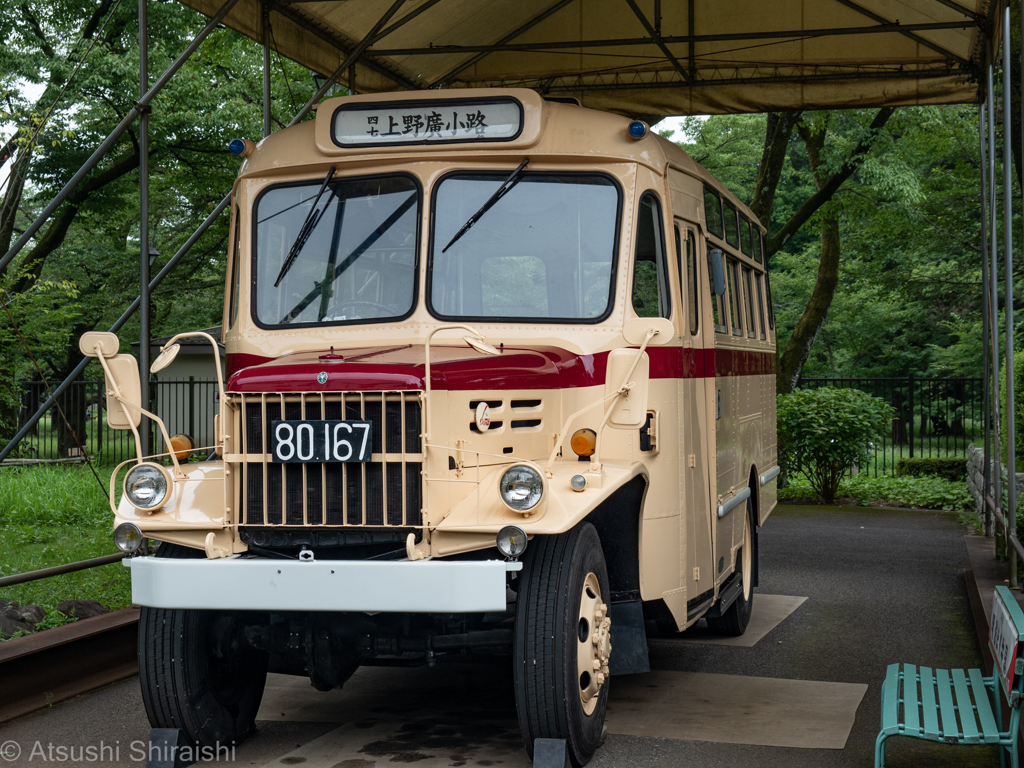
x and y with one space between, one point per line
60 663
57 570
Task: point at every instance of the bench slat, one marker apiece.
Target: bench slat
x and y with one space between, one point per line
891 699
989 729
968 724
928 709
946 710
911 715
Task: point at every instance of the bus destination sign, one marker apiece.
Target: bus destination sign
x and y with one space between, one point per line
435 122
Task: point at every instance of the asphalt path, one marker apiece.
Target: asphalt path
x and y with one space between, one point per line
884 586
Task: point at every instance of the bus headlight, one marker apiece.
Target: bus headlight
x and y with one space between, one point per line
521 488
511 541
146 486
127 537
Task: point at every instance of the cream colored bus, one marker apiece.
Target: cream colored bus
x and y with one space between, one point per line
500 383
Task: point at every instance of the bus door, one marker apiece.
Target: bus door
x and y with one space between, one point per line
694 429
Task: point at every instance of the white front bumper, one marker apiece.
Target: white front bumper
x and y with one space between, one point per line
425 586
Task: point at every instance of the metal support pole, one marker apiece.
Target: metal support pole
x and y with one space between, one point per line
266 69
987 452
1011 462
144 428
993 277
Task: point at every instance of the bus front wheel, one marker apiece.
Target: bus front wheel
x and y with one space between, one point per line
563 642
191 676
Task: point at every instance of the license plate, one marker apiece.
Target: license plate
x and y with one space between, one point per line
320 441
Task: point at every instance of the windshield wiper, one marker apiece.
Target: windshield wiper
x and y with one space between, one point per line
499 193
312 219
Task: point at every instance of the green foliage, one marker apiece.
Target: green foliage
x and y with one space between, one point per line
920 492
824 432
51 515
949 467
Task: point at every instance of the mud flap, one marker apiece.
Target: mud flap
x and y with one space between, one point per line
629 639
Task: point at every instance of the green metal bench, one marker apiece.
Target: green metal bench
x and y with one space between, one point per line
961 706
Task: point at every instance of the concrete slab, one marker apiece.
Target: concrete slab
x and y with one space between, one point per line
988 571
732 709
769 611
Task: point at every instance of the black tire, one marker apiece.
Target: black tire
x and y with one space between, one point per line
548 634
185 685
734 621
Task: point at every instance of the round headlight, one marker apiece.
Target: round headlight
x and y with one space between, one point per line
146 485
511 541
521 488
127 537
578 483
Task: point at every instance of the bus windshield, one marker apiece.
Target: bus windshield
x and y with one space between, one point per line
545 251
357 261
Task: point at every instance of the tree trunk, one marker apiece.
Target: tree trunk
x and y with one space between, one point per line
70 427
798 348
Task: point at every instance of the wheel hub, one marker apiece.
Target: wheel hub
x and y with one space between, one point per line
594 643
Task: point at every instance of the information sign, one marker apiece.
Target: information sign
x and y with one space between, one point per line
435 122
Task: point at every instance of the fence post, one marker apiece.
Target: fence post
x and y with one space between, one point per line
910 426
192 407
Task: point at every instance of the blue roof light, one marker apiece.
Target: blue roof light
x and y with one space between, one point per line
637 129
237 146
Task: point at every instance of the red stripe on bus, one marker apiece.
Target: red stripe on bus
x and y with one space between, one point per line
549 368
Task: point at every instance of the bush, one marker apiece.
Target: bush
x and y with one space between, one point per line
948 467
824 432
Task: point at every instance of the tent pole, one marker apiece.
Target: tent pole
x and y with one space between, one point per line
1011 463
266 68
109 142
993 295
144 314
987 452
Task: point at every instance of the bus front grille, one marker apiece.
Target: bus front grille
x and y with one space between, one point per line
385 491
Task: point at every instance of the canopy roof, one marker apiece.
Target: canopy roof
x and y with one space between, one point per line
644 57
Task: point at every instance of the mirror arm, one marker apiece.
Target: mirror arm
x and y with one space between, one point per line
220 376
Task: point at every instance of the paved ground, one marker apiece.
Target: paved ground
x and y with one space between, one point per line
883 586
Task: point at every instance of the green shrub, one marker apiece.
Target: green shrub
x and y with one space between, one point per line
949 467
824 432
920 492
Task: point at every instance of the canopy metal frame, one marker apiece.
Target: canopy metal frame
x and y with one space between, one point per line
678 72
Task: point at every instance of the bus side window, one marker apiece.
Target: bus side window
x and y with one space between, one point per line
748 289
716 301
733 298
768 292
236 256
650 271
713 212
744 235
760 303
731 233
757 244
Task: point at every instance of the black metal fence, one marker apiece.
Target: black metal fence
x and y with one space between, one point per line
933 417
186 406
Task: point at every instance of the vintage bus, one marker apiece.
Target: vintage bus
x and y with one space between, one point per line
500 382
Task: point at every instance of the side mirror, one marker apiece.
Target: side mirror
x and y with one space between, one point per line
107 342
480 345
717 271
165 358
124 371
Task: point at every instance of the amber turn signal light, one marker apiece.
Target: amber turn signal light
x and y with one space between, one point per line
182 446
584 442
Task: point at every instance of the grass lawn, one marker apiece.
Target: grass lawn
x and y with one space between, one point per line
53 515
